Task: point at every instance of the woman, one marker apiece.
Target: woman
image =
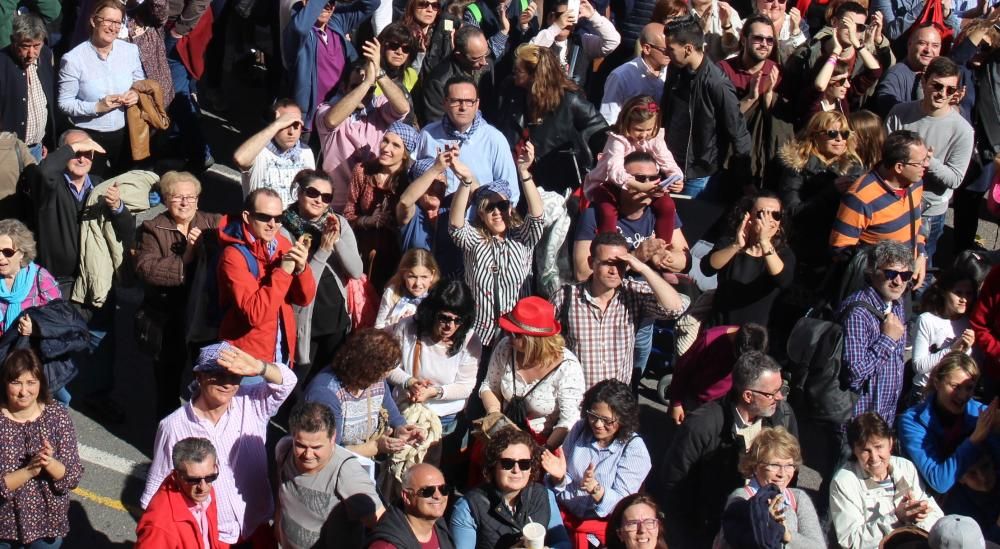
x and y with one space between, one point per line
813 173
636 523
172 258
532 377
876 492
602 460
943 324
493 514
440 359
773 458
542 104
334 260
418 272
789 30
497 247
753 262
375 188
665 11
38 457
433 32
834 96
95 85
23 283
398 46
869 135
145 22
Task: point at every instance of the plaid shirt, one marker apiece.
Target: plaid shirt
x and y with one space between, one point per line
38 112
605 341
874 361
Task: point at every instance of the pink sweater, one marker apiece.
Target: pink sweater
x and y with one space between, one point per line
611 162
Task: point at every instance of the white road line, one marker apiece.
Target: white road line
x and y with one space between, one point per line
112 462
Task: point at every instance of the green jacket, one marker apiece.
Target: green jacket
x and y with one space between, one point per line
48 10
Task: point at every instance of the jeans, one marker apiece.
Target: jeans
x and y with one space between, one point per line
695 186
643 346
44 543
36 151
933 226
183 110
62 396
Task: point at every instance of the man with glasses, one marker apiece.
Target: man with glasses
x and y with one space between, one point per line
471 59
700 468
643 75
184 511
754 75
325 497
417 522
234 419
948 137
271 157
261 276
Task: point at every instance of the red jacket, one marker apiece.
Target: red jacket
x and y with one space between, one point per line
252 305
985 321
169 524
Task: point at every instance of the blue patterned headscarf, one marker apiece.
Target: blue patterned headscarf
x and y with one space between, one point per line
407 133
499 187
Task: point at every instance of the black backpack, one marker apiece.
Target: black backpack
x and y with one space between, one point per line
820 389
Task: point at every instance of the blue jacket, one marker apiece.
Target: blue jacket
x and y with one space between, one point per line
920 438
299 46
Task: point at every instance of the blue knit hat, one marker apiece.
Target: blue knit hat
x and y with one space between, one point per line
208 357
499 187
407 133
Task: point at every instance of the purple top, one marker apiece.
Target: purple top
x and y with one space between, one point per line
705 372
43 290
330 61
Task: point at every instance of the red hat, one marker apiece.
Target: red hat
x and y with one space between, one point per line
532 316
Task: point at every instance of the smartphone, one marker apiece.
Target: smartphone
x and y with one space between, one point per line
521 143
668 181
307 239
573 6
449 25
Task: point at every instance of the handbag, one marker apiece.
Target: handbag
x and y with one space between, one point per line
150 323
516 409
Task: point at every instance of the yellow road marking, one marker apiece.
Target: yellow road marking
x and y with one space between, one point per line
100 500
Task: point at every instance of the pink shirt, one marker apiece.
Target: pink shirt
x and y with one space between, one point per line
610 167
200 513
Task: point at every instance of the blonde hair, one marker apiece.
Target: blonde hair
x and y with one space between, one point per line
805 143
416 257
955 361
172 178
22 238
771 443
542 349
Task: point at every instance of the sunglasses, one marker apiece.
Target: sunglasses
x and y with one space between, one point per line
266 218
8 252
405 48
224 379
891 274
832 134
85 154
761 39
861 27
775 214
428 491
646 178
839 83
502 205
194 481
445 318
508 464
432 5
313 192
948 90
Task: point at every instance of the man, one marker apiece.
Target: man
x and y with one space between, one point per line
753 74
470 59
874 344
48 10
701 114
901 82
183 512
325 498
234 418
700 468
27 85
575 47
261 275
948 137
352 124
271 157
643 75
417 522
315 47
182 17
885 205
482 147
601 314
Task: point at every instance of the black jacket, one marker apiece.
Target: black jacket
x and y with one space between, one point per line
14 92
57 332
429 91
712 130
394 528
58 215
700 469
439 45
496 527
574 129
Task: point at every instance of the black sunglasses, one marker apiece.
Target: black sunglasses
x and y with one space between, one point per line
265 218
508 464
948 90
428 491
760 38
445 318
313 192
646 178
424 5
832 134
405 48
775 214
891 274
502 205
194 481
8 252
861 27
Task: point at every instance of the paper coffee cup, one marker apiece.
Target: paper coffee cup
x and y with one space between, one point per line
534 535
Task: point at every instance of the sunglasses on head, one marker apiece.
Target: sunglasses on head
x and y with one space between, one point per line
445 318
432 5
646 178
761 39
428 491
405 48
832 134
8 252
194 481
507 464
265 218
948 90
502 205
891 274
313 192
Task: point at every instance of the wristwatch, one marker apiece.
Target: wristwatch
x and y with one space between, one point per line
381 73
465 182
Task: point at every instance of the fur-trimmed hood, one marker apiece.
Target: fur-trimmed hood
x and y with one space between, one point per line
793 154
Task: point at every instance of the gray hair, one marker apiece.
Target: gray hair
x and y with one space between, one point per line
22 238
169 181
750 367
64 137
27 26
192 450
888 252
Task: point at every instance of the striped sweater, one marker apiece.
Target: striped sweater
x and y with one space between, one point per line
871 212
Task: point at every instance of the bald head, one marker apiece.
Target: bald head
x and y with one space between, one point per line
922 47
419 474
652 34
73 136
425 496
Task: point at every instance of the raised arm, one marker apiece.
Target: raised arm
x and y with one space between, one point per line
248 151
407 205
340 110
525 158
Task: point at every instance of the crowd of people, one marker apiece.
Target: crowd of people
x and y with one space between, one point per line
469 229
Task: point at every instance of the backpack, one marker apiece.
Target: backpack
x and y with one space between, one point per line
216 311
820 387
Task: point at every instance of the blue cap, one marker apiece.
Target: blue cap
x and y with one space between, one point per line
208 357
499 187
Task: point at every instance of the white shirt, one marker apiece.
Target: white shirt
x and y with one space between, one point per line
627 81
939 333
275 169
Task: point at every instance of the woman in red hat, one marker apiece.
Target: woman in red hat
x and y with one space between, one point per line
532 377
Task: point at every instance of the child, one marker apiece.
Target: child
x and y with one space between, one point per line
418 272
637 129
943 326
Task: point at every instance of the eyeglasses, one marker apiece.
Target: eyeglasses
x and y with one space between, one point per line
8 252
183 199
313 192
647 524
468 103
405 48
445 318
428 491
761 39
89 155
783 391
265 218
646 178
839 83
502 205
112 23
661 49
477 58
607 421
891 274
923 163
432 5
948 90
861 27
194 481
618 264
775 214
775 467
832 134
508 464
